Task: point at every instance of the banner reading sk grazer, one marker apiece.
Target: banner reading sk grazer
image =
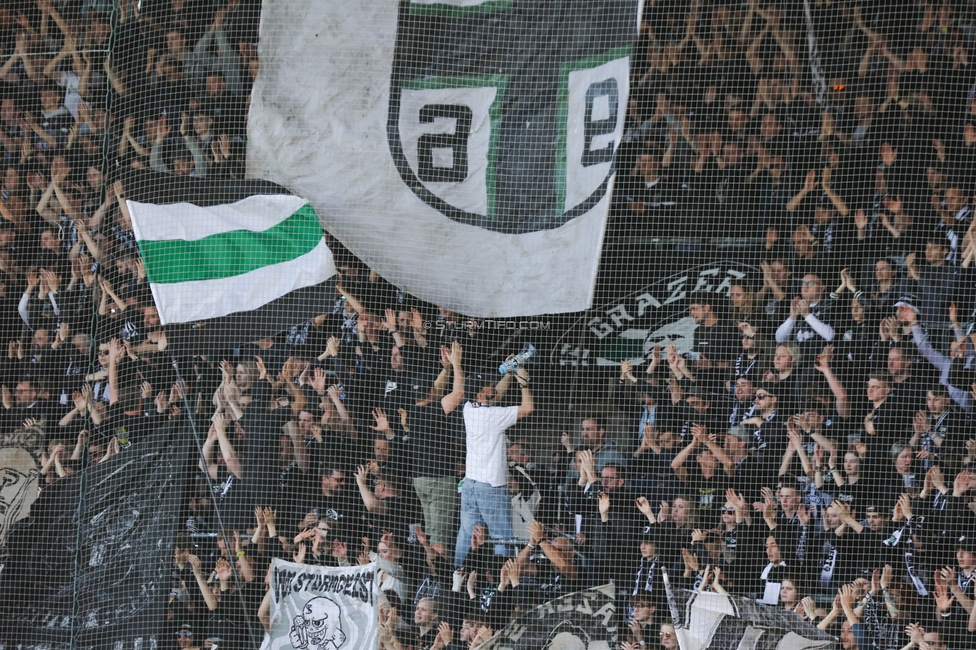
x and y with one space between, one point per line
656 315
463 149
323 608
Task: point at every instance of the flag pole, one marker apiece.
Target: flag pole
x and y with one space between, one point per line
220 519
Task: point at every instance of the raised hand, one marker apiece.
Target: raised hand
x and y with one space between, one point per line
362 474
823 359
537 533
809 607
737 500
645 507
795 307
943 601
318 380
655 357
627 370
223 570
587 466
915 632
382 423
389 321
963 482
699 433
664 511
298 556
457 354
444 636
477 537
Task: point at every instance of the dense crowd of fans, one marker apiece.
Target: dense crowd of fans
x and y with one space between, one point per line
813 449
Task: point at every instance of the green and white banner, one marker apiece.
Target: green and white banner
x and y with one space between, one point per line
464 149
204 262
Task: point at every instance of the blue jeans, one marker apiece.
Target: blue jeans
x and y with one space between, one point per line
488 506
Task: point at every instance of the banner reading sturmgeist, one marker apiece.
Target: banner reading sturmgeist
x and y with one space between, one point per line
464 149
323 608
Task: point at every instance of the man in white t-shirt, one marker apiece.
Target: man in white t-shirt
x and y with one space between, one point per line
484 491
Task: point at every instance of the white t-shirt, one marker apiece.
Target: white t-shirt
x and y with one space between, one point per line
484 428
70 81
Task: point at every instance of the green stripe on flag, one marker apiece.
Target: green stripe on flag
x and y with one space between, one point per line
231 253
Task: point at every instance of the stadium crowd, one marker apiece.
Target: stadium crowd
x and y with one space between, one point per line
813 450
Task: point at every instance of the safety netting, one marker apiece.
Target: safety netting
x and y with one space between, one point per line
487 324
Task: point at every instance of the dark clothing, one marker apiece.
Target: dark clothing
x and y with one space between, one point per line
718 343
436 441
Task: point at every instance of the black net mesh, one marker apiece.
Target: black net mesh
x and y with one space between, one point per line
698 320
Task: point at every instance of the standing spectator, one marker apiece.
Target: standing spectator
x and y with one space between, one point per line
809 323
484 492
715 338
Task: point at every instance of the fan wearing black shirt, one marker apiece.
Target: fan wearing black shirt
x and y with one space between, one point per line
549 563
740 464
337 504
885 423
716 340
695 408
436 434
706 479
767 429
836 554
907 387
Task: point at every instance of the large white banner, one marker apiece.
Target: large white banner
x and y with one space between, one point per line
323 608
713 621
464 149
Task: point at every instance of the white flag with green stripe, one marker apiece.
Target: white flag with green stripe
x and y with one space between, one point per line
208 262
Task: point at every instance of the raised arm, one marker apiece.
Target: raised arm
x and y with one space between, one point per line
678 464
227 450
301 453
453 399
527 406
373 505
208 596
832 195
808 186
822 364
114 353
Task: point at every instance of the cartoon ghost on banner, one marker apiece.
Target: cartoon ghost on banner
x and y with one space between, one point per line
319 626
